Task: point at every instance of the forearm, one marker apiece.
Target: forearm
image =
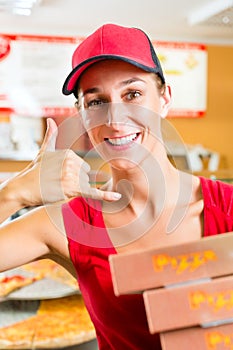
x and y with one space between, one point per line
10 201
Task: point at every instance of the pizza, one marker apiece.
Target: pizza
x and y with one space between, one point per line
18 336
58 323
53 270
25 275
11 283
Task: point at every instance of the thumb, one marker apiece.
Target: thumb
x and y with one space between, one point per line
50 137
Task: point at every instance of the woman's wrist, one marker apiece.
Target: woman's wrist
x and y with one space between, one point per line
10 200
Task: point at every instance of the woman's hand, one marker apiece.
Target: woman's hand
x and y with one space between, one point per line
54 175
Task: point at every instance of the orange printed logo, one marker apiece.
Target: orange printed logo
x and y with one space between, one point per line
215 339
216 301
184 262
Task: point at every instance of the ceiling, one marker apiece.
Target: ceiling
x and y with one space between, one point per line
206 21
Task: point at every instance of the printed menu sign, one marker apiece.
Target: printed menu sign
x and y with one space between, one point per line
185 68
32 72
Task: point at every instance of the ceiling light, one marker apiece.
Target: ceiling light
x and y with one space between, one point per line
19 7
209 10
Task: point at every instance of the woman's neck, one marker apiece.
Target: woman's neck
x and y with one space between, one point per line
150 180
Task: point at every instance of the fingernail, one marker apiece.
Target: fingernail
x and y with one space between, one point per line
116 195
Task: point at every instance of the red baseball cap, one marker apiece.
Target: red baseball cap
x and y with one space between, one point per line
112 41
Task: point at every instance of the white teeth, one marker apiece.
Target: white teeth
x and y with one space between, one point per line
120 141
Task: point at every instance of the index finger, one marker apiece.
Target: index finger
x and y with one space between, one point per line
104 195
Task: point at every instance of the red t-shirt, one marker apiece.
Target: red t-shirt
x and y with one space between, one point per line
120 322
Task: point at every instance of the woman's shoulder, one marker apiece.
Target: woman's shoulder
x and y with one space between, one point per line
217 193
216 186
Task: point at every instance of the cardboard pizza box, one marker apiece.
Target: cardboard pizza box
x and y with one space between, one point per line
189 305
154 268
197 338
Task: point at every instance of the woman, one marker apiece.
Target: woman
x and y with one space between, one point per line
121 96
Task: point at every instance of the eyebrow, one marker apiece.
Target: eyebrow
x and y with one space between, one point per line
131 80
122 83
90 91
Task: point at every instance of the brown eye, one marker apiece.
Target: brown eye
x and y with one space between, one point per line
132 95
96 103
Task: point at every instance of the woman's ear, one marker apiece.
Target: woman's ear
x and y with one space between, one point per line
76 105
166 98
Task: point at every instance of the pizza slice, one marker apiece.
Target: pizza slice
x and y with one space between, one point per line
62 322
52 270
11 283
19 335
58 323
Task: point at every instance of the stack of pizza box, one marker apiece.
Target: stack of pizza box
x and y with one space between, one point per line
187 291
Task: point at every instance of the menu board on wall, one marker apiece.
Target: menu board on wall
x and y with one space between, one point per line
32 72
33 69
185 68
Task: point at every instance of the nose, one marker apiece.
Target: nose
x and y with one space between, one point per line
116 114
112 115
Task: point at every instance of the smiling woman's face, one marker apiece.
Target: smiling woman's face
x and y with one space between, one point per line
121 106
